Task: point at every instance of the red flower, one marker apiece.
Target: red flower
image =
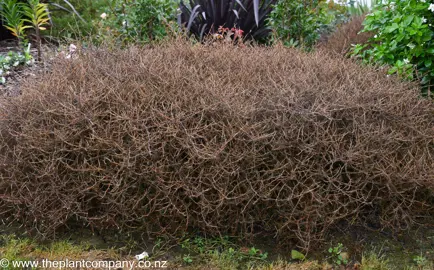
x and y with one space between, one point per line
238 33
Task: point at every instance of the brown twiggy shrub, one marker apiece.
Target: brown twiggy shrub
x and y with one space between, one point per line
222 139
340 41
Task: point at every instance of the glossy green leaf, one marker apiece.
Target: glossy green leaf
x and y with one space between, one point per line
296 255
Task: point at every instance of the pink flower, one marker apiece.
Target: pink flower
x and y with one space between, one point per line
238 32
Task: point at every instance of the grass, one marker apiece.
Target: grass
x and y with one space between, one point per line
14 248
374 261
196 252
221 253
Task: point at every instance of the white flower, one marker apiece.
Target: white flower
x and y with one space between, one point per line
72 48
7 59
375 36
16 63
72 52
141 256
431 7
423 20
103 16
406 61
2 80
423 1
411 45
1 72
124 23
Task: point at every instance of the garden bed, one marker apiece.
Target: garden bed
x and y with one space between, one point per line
21 72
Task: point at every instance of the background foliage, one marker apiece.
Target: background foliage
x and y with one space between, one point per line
301 22
68 25
207 17
142 21
404 39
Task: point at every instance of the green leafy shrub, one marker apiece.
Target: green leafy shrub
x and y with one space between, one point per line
301 22
21 16
215 139
75 21
38 17
150 19
136 21
332 15
117 21
404 39
12 14
201 17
